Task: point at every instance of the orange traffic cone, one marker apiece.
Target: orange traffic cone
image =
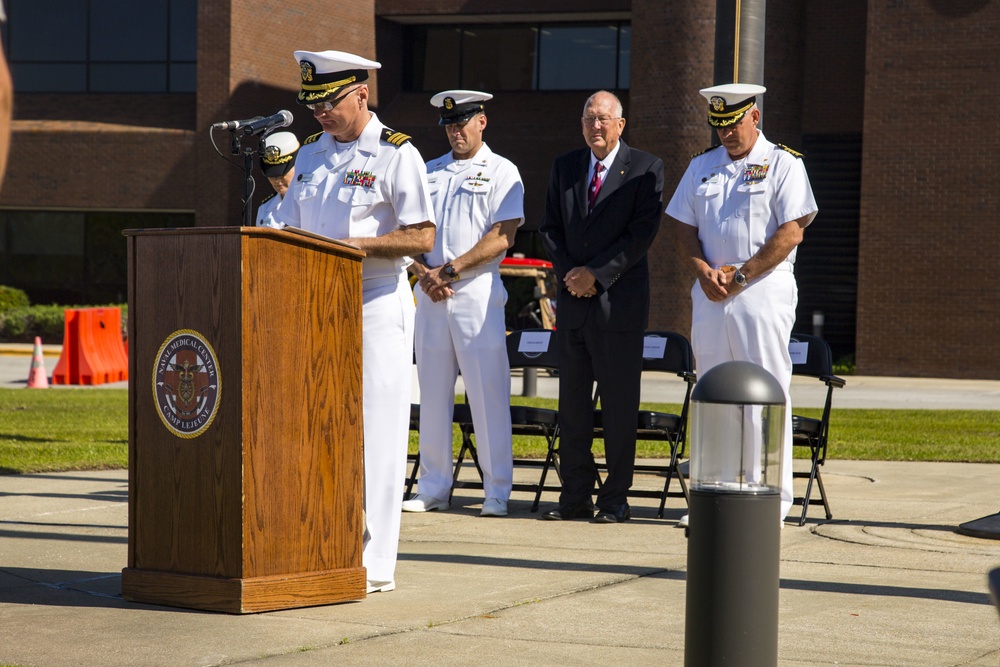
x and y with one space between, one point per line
38 379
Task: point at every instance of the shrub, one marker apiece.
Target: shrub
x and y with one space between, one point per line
11 297
21 325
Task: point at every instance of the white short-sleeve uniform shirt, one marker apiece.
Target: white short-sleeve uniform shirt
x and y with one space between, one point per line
738 205
470 196
266 211
361 189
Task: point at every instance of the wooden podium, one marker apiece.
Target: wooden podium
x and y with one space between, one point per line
245 419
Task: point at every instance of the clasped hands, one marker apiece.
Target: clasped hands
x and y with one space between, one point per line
580 282
435 285
719 284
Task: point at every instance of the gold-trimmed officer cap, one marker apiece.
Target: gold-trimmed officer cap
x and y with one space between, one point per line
458 106
728 103
326 72
279 154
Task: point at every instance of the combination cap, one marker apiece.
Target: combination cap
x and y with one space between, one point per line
326 72
279 154
728 103
458 106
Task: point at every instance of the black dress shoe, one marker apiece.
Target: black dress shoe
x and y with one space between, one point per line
617 514
567 512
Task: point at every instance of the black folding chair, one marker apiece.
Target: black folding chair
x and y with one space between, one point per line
677 358
414 458
526 348
811 357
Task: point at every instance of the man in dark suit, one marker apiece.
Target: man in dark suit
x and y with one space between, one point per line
602 211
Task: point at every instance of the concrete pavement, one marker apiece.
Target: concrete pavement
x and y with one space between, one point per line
887 582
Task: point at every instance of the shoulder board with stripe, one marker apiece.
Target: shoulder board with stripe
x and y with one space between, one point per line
312 138
789 150
704 151
268 198
395 138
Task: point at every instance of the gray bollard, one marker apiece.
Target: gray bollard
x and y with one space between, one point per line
734 538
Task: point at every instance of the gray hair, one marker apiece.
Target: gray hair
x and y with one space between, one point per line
619 112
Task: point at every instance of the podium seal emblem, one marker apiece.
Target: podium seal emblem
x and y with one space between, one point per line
186 383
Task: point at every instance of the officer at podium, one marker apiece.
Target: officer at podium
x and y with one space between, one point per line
360 182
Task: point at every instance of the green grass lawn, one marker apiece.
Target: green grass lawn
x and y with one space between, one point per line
63 429
81 429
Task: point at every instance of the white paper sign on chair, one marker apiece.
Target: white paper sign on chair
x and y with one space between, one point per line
534 342
799 352
653 347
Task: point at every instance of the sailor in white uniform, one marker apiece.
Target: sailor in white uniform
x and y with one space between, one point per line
478 204
360 182
278 165
743 208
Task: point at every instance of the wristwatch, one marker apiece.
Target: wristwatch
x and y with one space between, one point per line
740 278
450 271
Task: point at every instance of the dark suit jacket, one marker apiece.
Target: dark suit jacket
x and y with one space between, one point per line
611 241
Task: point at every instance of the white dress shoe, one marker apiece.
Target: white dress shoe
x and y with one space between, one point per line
424 503
494 507
683 522
381 586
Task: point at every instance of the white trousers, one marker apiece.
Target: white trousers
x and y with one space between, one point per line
467 332
387 344
753 326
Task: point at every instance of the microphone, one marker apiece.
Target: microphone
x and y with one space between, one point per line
257 124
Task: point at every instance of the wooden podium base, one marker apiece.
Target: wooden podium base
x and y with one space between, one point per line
244 596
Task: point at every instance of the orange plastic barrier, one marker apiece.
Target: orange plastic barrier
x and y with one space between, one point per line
92 351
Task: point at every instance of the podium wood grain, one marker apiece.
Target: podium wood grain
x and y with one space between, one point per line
262 510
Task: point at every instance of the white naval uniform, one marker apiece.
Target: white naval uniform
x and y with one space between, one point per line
735 216
266 211
368 188
466 331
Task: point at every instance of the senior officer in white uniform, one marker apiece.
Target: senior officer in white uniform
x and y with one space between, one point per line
478 204
744 207
362 183
278 166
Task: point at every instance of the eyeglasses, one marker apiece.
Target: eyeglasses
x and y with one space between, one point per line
323 107
603 120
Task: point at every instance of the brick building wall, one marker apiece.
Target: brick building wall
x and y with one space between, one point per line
667 118
917 87
928 299
246 68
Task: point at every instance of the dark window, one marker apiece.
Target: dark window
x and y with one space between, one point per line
102 45
578 58
72 258
581 56
498 58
